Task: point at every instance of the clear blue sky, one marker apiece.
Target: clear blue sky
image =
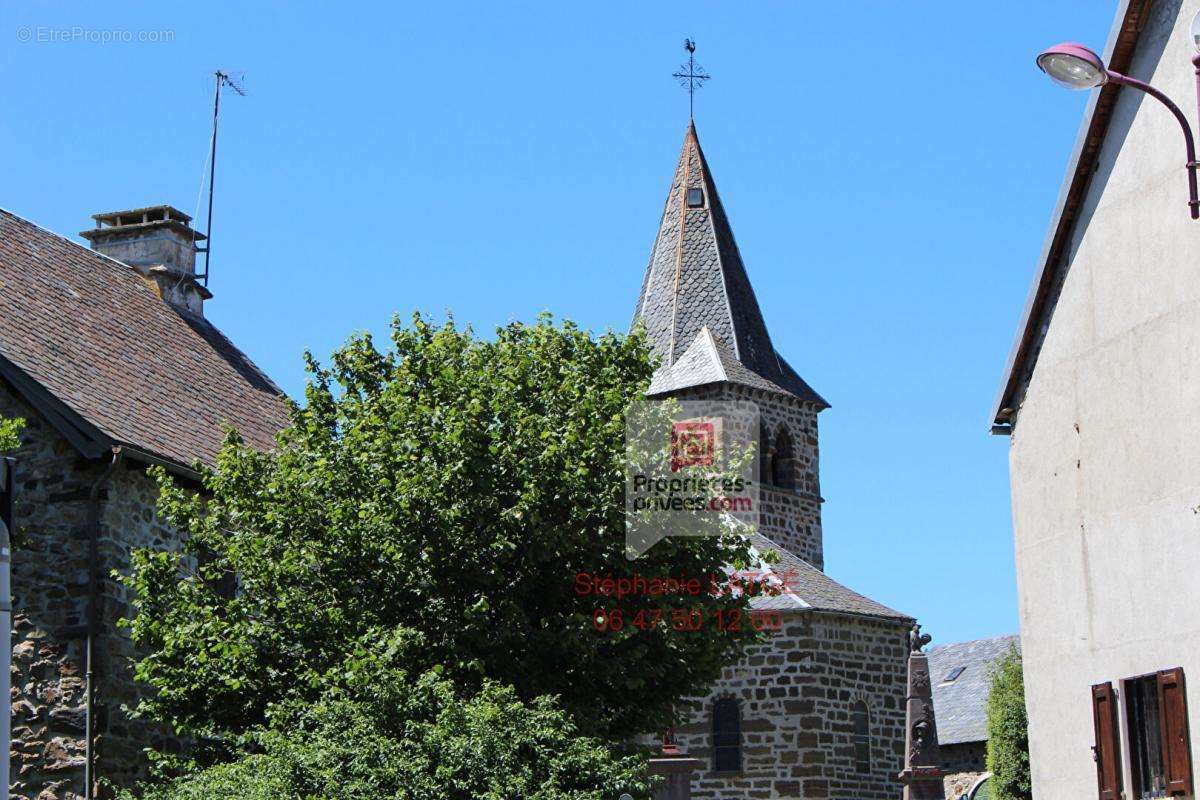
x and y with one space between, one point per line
888 189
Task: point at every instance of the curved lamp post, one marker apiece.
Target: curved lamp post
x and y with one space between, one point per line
1076 67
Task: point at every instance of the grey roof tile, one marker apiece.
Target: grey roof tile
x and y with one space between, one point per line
706 361
806 587
961 704
695 280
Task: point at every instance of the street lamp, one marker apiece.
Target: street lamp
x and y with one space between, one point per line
1076 67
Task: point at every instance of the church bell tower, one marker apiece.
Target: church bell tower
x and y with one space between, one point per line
703 322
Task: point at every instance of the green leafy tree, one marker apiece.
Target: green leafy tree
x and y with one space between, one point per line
10 434
382 735
1008 731
451 485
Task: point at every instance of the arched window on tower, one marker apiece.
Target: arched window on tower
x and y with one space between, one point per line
860 718
727 735
765 472
784 462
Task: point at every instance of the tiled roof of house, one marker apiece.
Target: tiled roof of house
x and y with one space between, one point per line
115 361
805 587
960 705
695 281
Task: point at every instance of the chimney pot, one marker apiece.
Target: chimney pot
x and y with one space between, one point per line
160 243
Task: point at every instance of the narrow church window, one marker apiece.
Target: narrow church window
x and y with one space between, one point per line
695 198
727 736
765 472
784 464
861 719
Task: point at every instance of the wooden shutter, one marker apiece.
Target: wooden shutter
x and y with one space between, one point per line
1173 721
1107 750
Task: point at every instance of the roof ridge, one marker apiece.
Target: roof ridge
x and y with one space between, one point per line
999 638
68 240
712 342
711 186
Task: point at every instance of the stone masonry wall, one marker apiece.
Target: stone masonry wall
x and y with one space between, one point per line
54 513
130 522
789 517
50 587
796 693
964 764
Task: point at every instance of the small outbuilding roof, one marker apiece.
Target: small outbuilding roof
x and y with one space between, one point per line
961 677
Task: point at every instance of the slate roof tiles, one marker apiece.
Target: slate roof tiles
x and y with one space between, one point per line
806 587
122 362
695 281
960 705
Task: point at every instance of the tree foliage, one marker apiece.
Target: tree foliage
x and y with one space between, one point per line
1008 731
10 433
385 736
450 485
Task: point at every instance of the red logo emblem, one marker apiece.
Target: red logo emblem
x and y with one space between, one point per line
692 444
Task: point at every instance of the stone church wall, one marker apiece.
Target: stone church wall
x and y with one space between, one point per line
796 693
55 511
789 517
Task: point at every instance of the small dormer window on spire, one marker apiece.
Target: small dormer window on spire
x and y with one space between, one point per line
695 198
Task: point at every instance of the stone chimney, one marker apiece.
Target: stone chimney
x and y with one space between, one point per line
160 243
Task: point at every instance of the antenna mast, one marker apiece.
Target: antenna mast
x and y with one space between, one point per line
222 79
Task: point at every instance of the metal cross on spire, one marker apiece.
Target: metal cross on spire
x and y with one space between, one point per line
693 78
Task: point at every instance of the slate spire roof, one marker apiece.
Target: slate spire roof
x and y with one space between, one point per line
698 308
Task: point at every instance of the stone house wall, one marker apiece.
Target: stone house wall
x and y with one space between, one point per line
964 763
60 497
796 692
1104 455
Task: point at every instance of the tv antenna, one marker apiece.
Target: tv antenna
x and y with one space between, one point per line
222 80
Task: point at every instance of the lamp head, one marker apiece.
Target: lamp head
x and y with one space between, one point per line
1074 66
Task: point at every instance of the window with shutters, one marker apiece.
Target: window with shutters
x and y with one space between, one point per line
727 736
1145 750
861 718
1160 757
